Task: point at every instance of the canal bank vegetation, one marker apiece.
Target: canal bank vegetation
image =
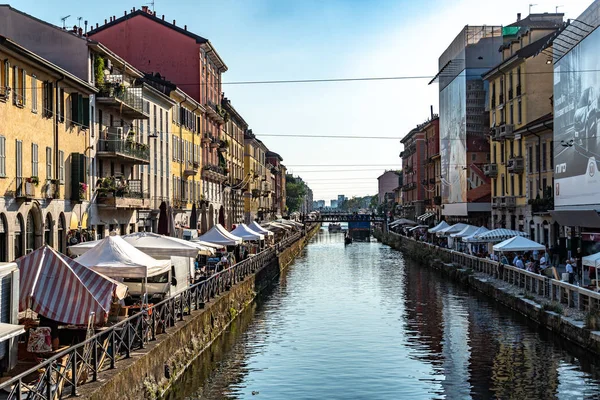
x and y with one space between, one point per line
558 306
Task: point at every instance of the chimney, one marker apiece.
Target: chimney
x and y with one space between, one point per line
80 32
431 108
163 17
154 13
145 9
174 23
125 13
105 21
185 27
85 24
133 10
518 17
97 24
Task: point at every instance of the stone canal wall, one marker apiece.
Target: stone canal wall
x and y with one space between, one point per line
150 371
578 324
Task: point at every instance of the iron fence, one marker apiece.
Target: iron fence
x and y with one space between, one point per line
64 372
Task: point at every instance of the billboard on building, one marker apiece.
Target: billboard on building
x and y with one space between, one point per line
576 137
453 138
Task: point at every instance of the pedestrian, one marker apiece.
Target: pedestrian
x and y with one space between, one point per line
569 270
555 255
519 263
514 263
543 262
580 266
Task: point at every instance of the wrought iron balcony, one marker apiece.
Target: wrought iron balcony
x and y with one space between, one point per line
129 101
191 168
214 172
126 150
510 202
490 170
4 93
516 165
115 193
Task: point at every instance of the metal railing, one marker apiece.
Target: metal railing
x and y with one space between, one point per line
127 148
551 289
64 372
132 96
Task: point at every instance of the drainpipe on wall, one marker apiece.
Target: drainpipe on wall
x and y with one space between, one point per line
56 122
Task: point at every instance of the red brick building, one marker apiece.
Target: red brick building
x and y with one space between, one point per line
413 167
432 181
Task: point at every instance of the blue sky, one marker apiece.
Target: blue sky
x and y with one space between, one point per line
316 39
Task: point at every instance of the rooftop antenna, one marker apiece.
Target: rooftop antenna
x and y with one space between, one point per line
79 21
64 20
531 5
151 4
556 9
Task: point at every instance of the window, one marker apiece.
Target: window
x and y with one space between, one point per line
2 156
15 86
494 153
34 159
6 80
34 96
501 152
48 162
544 158
511 113
551 158
61 166
473 156
529 160
519 112
47 100
520 185
80 110
537 157
512 184
503 188
60 105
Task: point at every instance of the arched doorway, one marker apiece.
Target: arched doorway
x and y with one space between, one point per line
222 216
211 216
203 220
61 233
19 229
3 238
49 230
34 229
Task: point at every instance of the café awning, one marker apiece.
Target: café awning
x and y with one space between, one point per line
425 217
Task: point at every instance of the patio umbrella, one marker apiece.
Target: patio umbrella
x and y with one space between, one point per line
194 217
163 220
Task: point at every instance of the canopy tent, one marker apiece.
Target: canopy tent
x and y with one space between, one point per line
591 260
114 257
155 245
219 235
471 237
214 246
246 233
278 227
402 221
452 229
467 231
290 223
62 289
497 235
259 229
518 243
438 227
418 227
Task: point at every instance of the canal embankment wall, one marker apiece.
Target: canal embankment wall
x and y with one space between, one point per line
579 324
149 372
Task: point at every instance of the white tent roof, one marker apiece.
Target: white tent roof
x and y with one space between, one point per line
518 243
591 260
290 223
278 226
471 237
497 235
402 221
438 227
451 229
417 227
467 231
114 257
207 244
257 228
246 233
155 245
219 235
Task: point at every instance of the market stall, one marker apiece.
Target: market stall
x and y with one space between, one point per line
438 227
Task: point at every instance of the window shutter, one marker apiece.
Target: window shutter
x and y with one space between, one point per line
75 109
2 156
6 74
85 111
24 86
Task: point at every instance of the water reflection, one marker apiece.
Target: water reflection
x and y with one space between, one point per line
361 322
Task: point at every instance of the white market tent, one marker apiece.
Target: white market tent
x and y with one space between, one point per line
497 235
278 227
519 243
219 235
592 260
452 229
155 245
417 227
402 221
116 258
290 223
439 227
259 229
242 230
214 246
467 231
471 237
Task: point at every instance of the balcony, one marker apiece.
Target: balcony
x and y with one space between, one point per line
128 101
191 168
24 190
214 172
124 150
516 165
437 200
52 189
207 138
510 202
121 194
490 170
496 202
4 93
216 112
215 143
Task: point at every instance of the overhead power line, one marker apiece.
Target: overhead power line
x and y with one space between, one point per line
332 136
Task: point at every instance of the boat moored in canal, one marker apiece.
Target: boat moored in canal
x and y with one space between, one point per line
335 227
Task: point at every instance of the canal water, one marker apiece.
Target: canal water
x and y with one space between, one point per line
362 322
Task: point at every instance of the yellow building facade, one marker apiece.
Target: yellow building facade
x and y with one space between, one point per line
44 140
520 91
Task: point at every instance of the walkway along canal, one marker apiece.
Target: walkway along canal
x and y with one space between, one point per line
364 322
140 356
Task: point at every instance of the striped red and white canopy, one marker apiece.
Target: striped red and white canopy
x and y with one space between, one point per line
61 289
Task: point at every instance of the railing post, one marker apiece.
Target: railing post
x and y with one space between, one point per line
74 374
127 343
94 360
49 380
113 346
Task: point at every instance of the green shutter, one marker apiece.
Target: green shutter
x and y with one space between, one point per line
86 111
74 108
77 174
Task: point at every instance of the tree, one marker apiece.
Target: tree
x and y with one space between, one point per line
295 190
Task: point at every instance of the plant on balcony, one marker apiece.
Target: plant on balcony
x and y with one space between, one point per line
122 188
143 146
34 179
99 71
83 187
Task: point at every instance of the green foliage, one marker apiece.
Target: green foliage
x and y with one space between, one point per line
99 71
295 190
557 308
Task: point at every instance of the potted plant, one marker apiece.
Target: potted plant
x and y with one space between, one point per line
83 187
34 179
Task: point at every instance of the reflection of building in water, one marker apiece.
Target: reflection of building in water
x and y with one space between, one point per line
456 350
463 146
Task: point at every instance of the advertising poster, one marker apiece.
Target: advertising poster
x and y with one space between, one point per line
453 134
576 112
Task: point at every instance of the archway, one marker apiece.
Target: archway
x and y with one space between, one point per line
34 229
3 238
203 220
211 216
19 229
222 216
49 230
61 233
